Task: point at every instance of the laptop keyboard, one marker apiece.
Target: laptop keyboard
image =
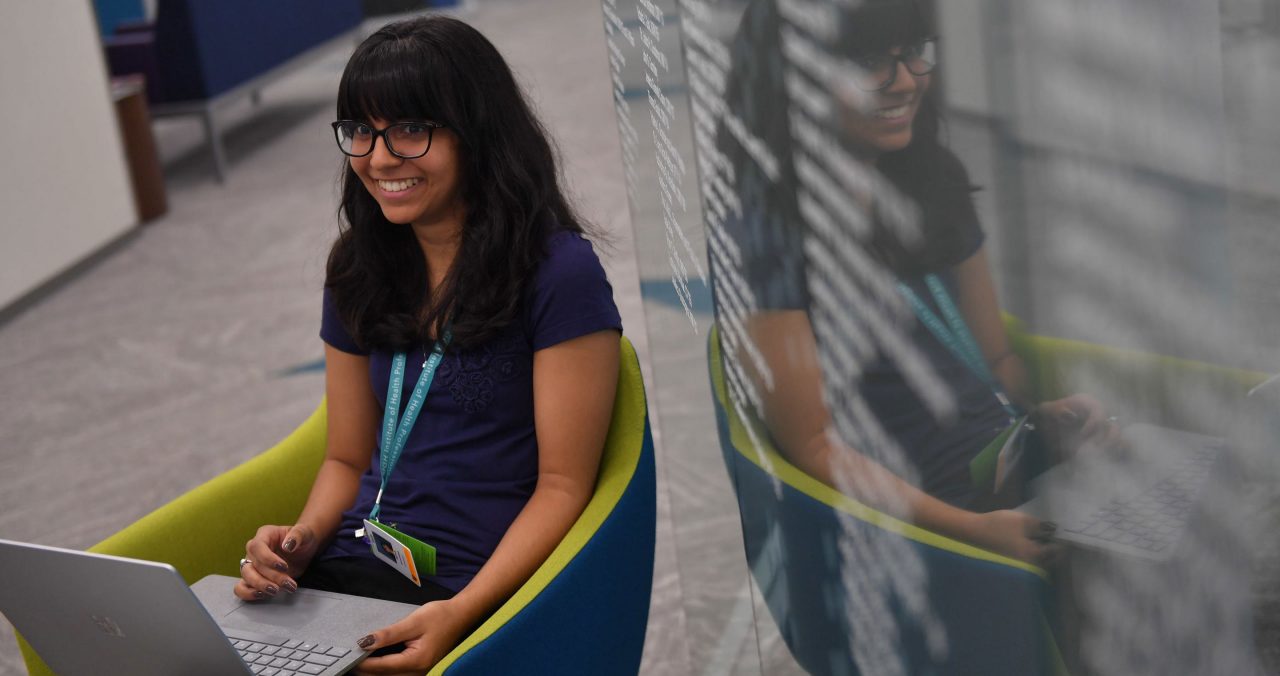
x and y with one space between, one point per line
1154 519
286 657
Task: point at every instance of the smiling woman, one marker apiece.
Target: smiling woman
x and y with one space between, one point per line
411 188
900 78
471 349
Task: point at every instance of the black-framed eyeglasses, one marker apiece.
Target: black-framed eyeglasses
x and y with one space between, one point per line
406 140
880 71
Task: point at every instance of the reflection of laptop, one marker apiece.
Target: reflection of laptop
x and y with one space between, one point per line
94 614
1138 501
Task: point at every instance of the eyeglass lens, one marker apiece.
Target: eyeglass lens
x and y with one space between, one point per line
880 71
408 140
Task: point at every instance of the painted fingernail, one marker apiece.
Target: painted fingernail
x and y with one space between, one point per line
290 586
282 566
289 544
366 641
257 594
272 590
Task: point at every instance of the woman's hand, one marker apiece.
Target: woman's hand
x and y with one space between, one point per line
1072 422
428 634
275 557
1016 535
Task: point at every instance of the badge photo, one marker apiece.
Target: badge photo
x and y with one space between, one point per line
391 551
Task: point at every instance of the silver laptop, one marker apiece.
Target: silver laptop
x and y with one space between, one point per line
1138 502
94 614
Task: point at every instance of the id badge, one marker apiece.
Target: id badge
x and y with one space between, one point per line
410 556
1010 459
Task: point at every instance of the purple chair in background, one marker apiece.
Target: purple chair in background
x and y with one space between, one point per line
201 55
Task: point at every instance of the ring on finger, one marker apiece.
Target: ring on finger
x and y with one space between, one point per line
243 562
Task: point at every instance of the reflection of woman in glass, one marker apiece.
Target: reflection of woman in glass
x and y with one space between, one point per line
886 118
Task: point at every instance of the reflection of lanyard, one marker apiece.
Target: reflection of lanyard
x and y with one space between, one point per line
955 335
394 437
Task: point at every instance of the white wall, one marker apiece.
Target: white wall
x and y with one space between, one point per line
64 184
963 26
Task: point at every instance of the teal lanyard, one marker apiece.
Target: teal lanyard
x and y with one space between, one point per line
955 335
394 437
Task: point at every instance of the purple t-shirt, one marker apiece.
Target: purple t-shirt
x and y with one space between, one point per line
471 461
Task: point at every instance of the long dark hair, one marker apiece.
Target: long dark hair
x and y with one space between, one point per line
440 69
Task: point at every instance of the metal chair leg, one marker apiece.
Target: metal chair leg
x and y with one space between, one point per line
215 145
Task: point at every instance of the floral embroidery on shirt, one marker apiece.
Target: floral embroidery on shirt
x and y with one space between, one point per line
471 374
473 390
507 367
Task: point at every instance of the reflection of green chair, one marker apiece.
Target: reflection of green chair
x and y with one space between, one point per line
988 604
585 609
1152 388
991 606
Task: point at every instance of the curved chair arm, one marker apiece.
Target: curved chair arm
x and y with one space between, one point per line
586 608
203 531
1153 388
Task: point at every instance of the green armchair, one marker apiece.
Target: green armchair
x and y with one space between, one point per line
586 606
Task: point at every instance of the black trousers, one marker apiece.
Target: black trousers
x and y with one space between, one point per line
361 576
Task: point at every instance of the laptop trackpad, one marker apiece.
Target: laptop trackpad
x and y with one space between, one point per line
288 611
325 617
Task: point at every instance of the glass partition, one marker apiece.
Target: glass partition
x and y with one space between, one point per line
962 319
651 97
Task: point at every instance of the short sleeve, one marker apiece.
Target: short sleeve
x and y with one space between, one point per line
571 295
333 332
